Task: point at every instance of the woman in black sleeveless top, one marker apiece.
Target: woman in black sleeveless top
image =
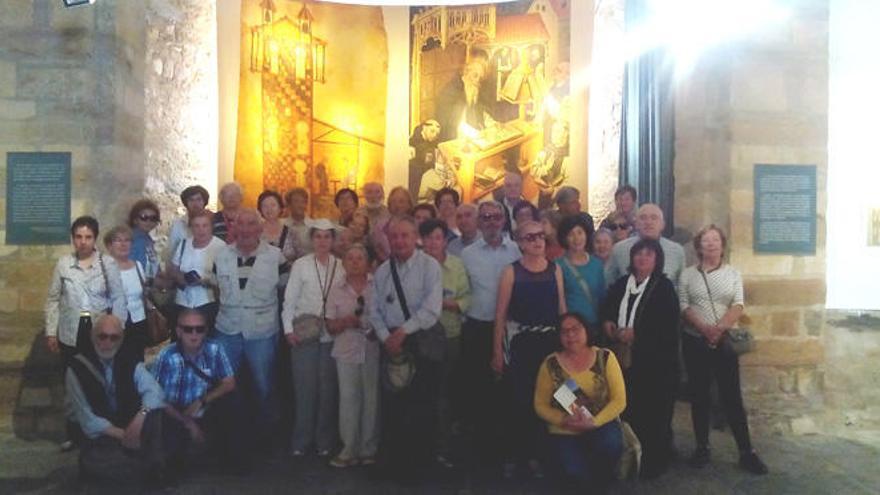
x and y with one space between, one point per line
530 300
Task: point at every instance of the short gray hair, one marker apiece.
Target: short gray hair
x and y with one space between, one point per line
491 203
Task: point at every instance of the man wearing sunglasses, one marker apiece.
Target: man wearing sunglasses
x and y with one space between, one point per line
484 260
118 404
198 382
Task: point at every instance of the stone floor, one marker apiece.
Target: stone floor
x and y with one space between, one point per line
811 464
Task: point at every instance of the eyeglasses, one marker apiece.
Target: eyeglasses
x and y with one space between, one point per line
491 216
193 328
534 236
121 240
360 309
112 337
149 218
621 226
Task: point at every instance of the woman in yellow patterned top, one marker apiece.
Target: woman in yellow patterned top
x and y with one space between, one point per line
586 437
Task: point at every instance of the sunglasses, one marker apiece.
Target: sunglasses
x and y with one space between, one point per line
112 337
491 216
621 226
149 218
360 309
534 236
193 328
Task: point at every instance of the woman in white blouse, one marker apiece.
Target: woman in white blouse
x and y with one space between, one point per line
118 243
711 299
313 369
190 265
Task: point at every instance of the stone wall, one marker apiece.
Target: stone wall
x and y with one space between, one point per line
763 100
70 80
181 134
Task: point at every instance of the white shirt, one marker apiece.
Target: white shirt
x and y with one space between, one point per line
303 293
134 292
201 260
484 265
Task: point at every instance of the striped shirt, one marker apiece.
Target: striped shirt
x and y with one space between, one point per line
725 284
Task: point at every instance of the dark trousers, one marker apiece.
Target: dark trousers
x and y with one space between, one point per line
479 391
525 431
650 396
162 441
222 425
590 459
409 418
135 339
702 365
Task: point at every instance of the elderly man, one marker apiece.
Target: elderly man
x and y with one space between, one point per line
198 382
408 299
118 404
484 261
649 225
510 194
247 274
466 221
377 212
224 222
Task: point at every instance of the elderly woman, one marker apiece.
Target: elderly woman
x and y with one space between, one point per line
118 242
711 298
194 199
346 201
312 368
640 317
620 225
530 298
231 196
586 435
356 351
603 242
583 274
447 200
191 264
143 218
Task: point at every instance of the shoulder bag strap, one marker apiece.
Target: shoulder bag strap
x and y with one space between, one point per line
106 281
91 368
198 371
709 291
397 288
326 293
284 231
580 280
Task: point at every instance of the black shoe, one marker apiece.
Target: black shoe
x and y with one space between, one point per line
700 458
752 463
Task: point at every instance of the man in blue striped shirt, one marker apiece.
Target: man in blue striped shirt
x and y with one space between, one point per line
199 382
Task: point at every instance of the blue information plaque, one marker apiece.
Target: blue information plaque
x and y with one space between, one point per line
37 198
785 209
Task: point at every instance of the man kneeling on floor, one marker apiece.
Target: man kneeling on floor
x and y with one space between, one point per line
199 386
118 405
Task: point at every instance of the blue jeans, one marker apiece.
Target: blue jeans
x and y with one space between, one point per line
260 357
591 457
315 396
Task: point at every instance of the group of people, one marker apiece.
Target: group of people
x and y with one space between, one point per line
416 335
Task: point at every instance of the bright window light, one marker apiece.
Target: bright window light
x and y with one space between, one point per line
416 3
690 27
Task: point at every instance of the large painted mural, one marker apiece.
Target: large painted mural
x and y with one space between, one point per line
490 93
312 96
